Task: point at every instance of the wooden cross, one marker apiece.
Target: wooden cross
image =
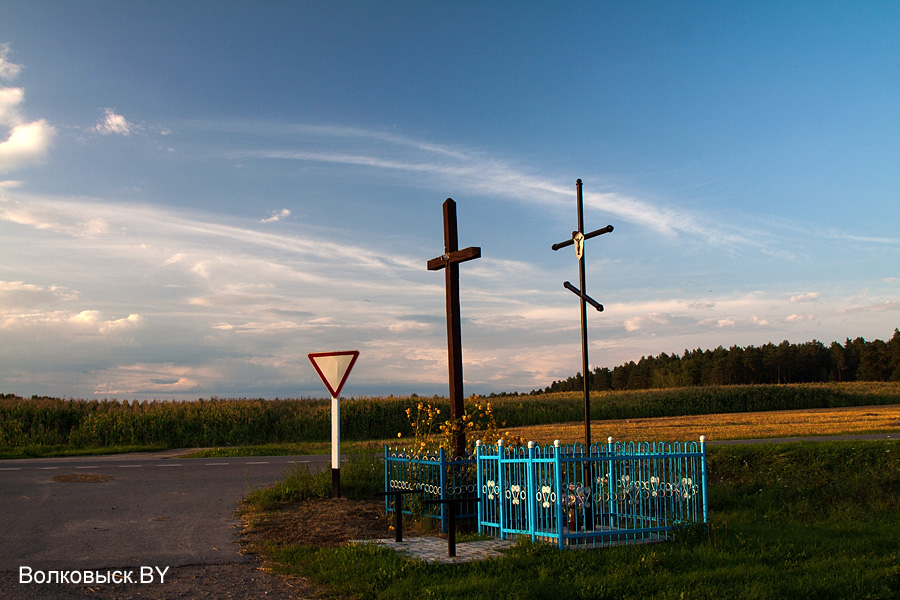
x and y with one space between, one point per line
449 261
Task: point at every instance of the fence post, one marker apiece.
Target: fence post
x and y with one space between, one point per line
532 488
609 480
703 476
387 468
500 486
442 481
478 484
559 495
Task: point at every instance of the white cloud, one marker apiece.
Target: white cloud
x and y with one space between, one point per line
809 297
18 295
795 318
887 305
113 124
85 322
27 142
642 322
10 98
8 70
276 216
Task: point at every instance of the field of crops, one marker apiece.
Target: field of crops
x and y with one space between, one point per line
70 423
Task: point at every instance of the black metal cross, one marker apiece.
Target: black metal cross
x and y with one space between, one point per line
449 261
578 238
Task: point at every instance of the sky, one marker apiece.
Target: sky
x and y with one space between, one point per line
196 195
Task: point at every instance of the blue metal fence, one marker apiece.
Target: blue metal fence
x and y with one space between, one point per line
437 478
613 493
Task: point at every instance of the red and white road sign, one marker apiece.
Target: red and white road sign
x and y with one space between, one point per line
333 368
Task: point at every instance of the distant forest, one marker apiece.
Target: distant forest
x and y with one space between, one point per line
810 362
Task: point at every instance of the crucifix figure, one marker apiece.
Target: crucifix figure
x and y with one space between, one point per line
578 239
449 261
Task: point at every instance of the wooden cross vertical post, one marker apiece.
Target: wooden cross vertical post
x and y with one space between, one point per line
578 239
449 261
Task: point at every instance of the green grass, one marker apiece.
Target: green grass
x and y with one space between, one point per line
264 450
40 451
786 521
361 476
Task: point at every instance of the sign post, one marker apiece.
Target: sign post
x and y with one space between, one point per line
333 368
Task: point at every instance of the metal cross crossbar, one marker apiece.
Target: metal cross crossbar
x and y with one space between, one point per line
578 239
449 261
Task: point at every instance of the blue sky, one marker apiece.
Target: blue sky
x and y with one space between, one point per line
196 195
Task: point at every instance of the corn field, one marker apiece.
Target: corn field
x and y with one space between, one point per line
233 422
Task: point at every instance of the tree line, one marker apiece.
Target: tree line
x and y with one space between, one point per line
809 362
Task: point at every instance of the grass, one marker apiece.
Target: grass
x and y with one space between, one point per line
796 520
299 449
263 450
361 476
41 451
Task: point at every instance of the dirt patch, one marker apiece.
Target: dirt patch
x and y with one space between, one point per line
323 523
81 478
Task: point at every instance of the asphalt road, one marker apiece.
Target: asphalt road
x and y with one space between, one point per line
127 511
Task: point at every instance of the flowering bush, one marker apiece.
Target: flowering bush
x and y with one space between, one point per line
477 422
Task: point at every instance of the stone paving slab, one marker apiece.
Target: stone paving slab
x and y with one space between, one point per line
434 549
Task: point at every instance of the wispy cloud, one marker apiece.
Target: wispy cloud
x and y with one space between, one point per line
8 70
478 172
807 297
275 216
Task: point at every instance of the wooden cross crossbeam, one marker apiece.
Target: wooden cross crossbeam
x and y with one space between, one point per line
449 261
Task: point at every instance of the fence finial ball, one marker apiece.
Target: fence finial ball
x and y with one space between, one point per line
530 444
702 438
500 442
477 442
556 443
609 440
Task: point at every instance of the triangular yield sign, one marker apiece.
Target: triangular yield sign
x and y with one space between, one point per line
333 368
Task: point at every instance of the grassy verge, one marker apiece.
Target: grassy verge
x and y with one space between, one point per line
361 476
264 450
40 451
786 521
